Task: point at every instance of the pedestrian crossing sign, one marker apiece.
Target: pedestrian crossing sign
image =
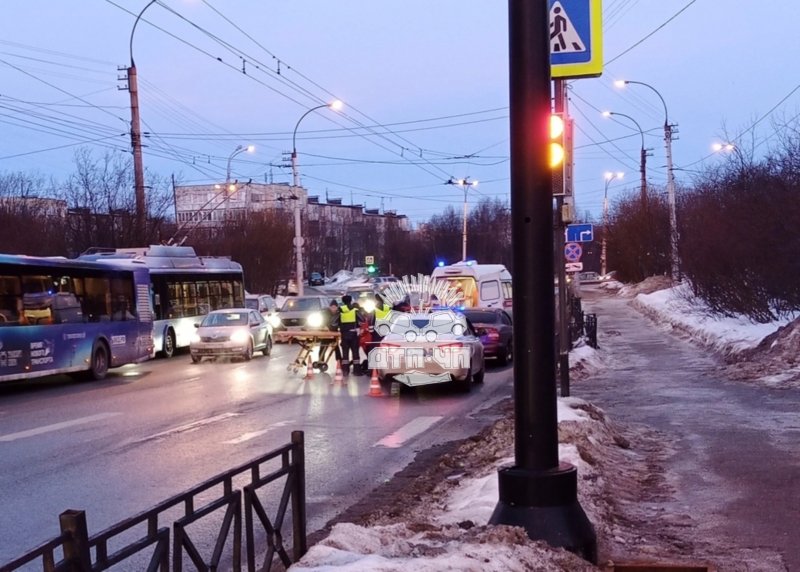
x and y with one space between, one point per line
576 38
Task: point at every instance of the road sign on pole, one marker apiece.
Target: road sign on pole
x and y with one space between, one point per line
580 233
576 38
369 260
573 266
573 251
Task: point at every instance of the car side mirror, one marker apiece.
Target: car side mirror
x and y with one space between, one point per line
197 324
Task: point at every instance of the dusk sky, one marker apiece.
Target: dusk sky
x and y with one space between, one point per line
424 83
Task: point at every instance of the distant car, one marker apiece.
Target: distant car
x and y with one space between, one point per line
316 279
609 276
589 277
382 282
233 332
263 303
364 298
493 326
298 314
429 348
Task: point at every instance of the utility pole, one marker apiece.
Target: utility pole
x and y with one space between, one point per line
537 492
673 222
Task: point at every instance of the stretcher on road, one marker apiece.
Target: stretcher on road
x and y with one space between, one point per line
325 340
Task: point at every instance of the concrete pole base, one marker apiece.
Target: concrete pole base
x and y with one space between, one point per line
545 504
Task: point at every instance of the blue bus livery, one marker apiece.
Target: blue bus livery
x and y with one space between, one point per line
67 316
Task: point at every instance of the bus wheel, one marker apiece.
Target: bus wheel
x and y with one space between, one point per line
169 344
99 365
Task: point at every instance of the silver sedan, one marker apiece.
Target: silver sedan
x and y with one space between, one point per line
233 332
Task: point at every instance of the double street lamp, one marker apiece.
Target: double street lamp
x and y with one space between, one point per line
465 184
609 176
239 149
298 234
673 223
642 154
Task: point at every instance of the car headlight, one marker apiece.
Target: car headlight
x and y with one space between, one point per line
240 337
314 320
195 339
275 321
369 306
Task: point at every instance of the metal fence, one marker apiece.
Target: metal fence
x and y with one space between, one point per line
165 547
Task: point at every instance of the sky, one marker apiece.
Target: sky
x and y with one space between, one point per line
424 86
443 545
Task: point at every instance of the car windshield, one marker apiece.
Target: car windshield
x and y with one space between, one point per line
301 305
251 303
225 319
477 317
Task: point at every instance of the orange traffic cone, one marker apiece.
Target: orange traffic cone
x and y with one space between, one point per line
375 385
309 370
339 377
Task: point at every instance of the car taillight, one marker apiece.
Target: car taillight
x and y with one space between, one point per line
492 334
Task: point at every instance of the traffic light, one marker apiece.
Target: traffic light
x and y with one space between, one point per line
557 133
372 269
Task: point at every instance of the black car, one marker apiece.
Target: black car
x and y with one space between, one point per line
316 279
493 326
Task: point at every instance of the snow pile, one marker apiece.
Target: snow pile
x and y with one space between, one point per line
647 286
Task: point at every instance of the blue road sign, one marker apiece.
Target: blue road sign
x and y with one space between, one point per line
576 43
580 233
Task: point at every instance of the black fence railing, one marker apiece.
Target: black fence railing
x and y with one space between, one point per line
149 537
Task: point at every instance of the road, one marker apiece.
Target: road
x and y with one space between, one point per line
147 432
735 467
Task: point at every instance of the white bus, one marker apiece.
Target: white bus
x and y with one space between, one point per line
184 287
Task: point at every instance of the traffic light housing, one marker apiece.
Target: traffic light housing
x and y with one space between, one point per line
557 149
372 269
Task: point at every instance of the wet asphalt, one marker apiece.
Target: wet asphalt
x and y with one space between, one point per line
736 467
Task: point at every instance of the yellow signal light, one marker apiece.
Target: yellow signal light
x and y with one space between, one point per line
557 130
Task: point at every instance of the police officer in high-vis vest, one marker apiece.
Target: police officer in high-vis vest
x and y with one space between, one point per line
382 311
348 327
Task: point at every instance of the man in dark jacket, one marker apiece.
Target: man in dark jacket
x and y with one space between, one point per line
330 319
348 326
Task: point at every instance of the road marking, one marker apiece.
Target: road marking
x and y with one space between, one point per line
190 426
55 427
407 431
254 434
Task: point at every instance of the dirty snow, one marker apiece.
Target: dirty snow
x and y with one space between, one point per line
441 524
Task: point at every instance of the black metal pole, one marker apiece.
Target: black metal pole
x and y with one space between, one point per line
537 492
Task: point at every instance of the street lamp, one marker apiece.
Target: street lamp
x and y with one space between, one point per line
673 223
336 105
465 184
642 154
239 149
136 135
728 147
609 176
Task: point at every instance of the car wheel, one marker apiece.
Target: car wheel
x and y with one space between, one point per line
169 344
268 347
465 385
478 377
248 353
195 359
506 355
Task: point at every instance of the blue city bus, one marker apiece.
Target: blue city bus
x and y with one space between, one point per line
184 287
67 316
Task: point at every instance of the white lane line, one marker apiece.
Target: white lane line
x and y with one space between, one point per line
253 434
55 427
407 431
190 426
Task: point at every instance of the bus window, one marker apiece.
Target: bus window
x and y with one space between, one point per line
97 301
122 299
10 301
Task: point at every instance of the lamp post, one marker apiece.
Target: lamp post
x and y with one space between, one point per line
298 234
642 155
136 136
465 184
603 251
239 149
673 223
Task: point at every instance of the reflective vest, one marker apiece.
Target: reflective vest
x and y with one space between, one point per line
382 311
347 315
